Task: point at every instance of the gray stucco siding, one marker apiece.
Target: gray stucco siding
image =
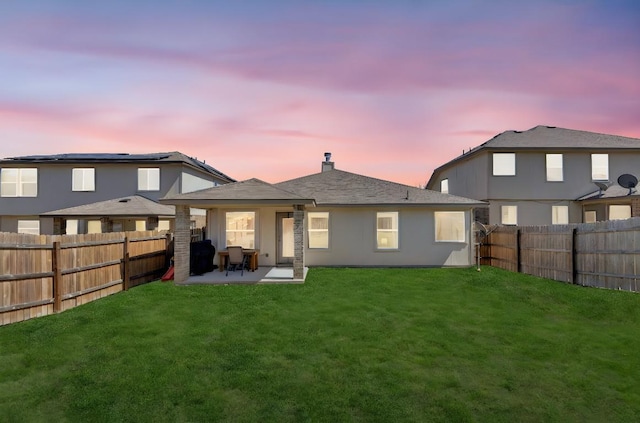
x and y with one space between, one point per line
352 240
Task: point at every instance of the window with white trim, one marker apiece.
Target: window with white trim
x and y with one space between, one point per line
387 230
29 227
590 216
619 211
240 229
149 179
559 215
18 182
600 167
83 179
509 215
444 186
94 227
504 164
318 229
450 226
554 167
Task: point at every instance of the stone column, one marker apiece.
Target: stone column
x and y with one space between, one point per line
182 244
298 241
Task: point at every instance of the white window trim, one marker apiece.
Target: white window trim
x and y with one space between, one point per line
310 230
444 186
18 184
515 222
595 170
510 170
395 230
255 230
149 186
548 168
29 226
437 224
620 207
82 173
555 214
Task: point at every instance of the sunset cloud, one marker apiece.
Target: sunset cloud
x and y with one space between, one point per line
392 89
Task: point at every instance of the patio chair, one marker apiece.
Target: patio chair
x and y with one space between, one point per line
236 258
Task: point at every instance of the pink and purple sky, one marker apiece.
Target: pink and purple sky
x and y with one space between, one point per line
262 89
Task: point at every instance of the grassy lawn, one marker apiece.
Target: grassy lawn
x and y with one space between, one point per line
349 345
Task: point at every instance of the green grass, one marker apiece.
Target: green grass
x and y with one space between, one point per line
349 345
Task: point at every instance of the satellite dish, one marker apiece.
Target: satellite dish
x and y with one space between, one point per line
602 186
628 181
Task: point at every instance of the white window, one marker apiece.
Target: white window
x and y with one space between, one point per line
149 179
554 167
94 227
164 225
619 212
444 186
241 229
560 215
504 164
600 167
387 230
17 182
450 226
141 225
318 229
29 227
509 215
590 216
72 227
83 179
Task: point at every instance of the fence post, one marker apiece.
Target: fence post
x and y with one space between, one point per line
57 277
518 266
574 256
125 265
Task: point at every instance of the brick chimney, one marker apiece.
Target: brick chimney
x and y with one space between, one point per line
327 164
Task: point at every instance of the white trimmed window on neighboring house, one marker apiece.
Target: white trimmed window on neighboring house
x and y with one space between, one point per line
444 186
450 226
83 179
559 215
18 182
387 230
318 229
31 226
149 179
554 163
504 164
590 216
600 167
619 211
509 215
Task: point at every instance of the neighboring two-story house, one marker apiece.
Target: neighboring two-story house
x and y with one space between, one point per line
89 193
546 175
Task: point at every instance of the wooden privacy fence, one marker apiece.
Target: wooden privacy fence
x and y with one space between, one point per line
602 254
45 274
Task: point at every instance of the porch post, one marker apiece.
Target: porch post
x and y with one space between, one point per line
298 241
181 244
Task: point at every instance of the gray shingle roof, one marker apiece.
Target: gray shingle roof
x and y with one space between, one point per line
252 190
152 158
614 191
134 205
550 137
337 187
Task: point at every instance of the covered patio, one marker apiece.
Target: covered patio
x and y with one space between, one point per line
261 202
262 275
